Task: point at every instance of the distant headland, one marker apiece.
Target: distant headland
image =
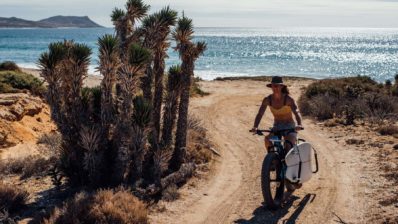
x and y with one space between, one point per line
52 22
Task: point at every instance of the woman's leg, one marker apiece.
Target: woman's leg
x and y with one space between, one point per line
267 142
291 137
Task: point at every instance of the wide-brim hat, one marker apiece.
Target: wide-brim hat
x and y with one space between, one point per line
276 80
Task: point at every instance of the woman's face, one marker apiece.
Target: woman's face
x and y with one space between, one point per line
276 88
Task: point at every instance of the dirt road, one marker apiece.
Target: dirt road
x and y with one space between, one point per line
232 193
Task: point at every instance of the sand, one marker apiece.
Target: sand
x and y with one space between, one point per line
344 186
348 186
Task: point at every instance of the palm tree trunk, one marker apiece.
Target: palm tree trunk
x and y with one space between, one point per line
169 116
182 123
146 84
158 69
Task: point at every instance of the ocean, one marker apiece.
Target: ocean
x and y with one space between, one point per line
305 52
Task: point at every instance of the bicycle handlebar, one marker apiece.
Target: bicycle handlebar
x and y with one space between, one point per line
261 131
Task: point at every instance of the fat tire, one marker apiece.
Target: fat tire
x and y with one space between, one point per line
271 203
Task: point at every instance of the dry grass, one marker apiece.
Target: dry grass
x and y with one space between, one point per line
388 130
170 193
33 165
198 150
196 89
12 199
104 206
353 141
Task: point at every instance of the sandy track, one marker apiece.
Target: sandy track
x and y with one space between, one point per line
232 193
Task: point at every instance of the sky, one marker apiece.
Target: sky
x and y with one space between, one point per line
227 13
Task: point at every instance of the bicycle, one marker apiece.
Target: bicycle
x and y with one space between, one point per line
274 169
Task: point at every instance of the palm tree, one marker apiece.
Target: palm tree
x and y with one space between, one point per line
165 18
109 65
174 86
128 79
50 66
189 53
77 67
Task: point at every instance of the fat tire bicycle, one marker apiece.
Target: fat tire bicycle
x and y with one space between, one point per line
274 169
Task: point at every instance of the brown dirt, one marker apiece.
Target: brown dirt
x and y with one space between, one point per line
345 188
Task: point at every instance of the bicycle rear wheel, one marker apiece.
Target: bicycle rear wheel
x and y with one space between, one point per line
272 183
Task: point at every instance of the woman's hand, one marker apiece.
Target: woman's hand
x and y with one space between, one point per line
299 128
253 129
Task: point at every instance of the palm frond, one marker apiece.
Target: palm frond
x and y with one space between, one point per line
166 16
174 81
136 9
108 44
142 111
81 53
201 47
184 30
138 56
117 14
50 59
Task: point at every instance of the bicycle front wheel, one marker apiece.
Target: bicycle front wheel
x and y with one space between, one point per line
272 182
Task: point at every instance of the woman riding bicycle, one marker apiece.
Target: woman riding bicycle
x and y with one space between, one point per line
282 107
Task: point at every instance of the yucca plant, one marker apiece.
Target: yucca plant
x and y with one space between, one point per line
109 66
165 18
75 72
50 66
174 86
121 23
136 9
90 139
128 79
189 53
112 131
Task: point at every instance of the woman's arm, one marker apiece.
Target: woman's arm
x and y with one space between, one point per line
260 113
296 112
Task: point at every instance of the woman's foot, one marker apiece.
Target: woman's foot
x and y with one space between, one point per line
287 195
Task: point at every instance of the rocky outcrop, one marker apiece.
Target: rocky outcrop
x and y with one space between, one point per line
13 107
23 118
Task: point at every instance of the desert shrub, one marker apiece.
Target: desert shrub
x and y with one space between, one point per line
349 98
9 66
388 130
394 90
104 206
196 90
33 165
6 218
12 198
11 81
52 142
380 107
198 150
170 193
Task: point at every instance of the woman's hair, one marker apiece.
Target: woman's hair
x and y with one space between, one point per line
285 90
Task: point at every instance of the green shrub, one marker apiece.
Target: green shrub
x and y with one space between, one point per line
349 98
104 206
9 66
11 82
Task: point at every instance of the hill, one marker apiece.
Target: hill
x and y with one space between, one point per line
52 22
